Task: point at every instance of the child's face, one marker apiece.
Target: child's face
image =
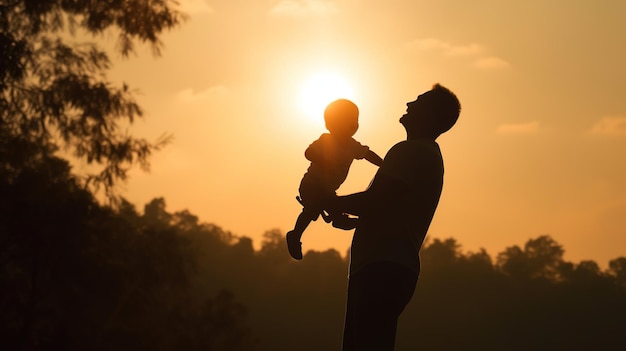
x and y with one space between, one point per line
345 129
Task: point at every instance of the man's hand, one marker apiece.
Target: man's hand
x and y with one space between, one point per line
384 194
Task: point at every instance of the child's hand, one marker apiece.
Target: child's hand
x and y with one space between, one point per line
374 158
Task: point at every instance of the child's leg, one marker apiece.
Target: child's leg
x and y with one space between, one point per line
293 237
303 221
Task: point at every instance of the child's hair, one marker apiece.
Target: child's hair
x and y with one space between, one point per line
342 117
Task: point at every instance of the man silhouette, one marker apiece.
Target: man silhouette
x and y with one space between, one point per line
394 215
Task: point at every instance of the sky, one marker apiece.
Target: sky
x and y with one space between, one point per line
538 148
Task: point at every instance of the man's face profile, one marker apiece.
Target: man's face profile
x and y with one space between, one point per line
414 111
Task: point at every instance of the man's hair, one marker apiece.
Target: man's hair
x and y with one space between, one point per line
445 106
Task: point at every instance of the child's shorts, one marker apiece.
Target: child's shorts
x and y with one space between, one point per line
314 197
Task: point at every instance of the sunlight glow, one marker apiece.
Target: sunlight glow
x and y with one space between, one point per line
319 90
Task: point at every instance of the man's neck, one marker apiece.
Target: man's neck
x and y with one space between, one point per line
420 136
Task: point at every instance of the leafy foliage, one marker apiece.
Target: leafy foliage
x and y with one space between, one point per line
55 93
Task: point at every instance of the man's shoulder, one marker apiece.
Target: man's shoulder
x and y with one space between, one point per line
417 164
413 156
415 147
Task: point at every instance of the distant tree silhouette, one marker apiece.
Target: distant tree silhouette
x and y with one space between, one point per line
440 253
37 201
76 275
617 268
540 258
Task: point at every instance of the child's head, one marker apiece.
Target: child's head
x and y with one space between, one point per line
342 117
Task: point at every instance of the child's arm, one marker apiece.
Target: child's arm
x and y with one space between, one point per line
315 151
373 158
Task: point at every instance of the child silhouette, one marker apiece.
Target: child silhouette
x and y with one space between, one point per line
331 156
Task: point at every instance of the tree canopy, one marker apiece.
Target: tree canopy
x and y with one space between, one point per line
54 92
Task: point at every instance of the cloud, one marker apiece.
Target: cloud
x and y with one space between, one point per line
472 51
210 94
518 128
194 7
298 8
436 45
609 126
491 62
432 44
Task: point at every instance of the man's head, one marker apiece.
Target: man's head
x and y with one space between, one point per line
342 117
432 114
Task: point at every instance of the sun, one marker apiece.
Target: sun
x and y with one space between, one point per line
319 90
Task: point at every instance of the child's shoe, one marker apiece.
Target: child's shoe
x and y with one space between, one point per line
344 222
294 245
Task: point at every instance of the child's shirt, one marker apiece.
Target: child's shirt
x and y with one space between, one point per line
331 157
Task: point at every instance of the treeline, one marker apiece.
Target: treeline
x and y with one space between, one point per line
77 275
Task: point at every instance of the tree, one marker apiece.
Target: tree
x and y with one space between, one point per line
617 268
273 247
541 258
39 248
77 275
440 253
55 93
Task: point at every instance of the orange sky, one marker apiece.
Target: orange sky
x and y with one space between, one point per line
538 148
